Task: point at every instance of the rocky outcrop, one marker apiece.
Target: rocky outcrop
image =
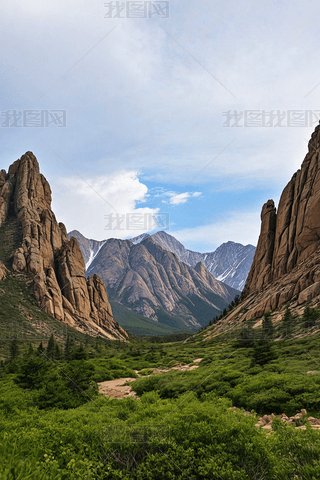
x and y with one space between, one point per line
286 266
60 285
3 271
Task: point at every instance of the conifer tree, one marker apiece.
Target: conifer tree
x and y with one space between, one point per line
14 349
57 352
30 350
267 326
50 347
40 349
287 323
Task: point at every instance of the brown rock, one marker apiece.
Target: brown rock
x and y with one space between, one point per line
56 262
260 273
286 266
3 271
267 427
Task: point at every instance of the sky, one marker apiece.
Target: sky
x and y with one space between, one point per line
128 119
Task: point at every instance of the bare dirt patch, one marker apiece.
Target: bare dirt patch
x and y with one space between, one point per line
117 388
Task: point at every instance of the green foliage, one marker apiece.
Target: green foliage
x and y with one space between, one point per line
287 322
310 317
246 337
50 347
196 438
14 349
64 388
267 326
263 353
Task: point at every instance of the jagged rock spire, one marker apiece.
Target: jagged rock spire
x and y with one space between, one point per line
291 235
56 262
286 266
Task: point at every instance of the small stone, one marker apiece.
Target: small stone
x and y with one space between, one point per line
267 427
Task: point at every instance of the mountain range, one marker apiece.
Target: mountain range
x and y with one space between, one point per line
152 281
230 263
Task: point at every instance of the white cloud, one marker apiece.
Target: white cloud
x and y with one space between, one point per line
238 227
83 206
180 198
139 102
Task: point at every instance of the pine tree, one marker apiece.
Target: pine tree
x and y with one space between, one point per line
14 349
267 326
287 323
263 353
50 347
57 352
67 348
30 350
80 353
40 349
310 317
246 337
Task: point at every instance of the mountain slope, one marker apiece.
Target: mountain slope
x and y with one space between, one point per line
43 250
154 283
230 263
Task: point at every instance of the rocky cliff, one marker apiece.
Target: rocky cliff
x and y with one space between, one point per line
286 265
55 262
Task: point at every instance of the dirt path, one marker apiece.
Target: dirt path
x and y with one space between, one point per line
117 388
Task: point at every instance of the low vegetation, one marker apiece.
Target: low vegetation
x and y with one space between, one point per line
55 424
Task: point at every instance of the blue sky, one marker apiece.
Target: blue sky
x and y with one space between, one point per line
144 129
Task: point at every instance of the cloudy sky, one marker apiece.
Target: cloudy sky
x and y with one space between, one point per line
147 144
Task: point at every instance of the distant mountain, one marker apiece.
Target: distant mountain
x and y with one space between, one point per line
152 281
229 263
139 238
89 248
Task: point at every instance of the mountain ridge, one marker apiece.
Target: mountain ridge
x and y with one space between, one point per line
153 281
229 263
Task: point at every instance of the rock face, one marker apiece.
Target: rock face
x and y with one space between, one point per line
60 285
152 281
3 271
286 265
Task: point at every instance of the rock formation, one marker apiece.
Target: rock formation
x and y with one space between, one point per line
286 265
56 263
3 271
